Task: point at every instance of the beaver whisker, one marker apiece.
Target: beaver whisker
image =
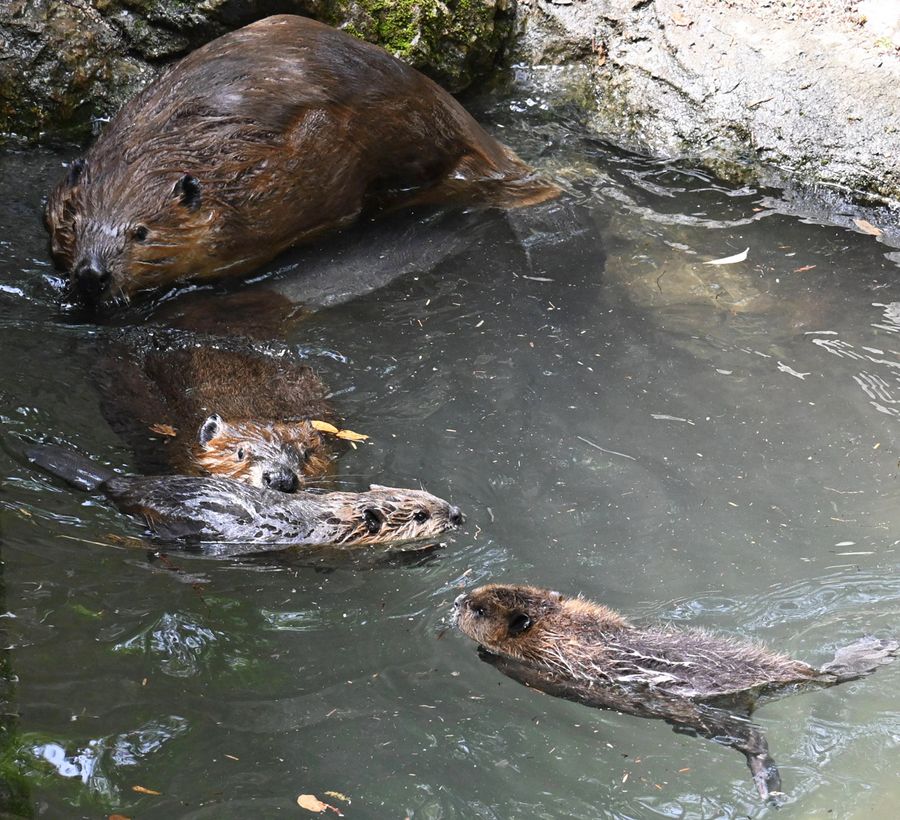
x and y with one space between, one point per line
157 244
232 264
154 262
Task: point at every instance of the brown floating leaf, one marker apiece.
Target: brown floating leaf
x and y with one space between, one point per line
349 435
143 790
163 429
312 803
118 817
867 227
325 427
125 540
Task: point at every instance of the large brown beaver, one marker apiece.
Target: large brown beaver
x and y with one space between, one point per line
263 138
226 517
235 411
695 680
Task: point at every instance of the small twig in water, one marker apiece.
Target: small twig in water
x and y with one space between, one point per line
604 450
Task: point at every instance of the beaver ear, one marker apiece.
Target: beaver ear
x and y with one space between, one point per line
187 189
518 623
374 519
209 429
76 170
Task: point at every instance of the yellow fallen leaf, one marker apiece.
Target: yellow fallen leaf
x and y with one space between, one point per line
324 426
867 227
312 803
163 429
338 796
349 435
143 790
125 540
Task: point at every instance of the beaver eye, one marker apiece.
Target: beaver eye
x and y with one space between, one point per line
240 454
140 233
421 517
478 611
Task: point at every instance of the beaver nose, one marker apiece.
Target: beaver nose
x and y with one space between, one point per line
457 519
458 601
283 480
92 278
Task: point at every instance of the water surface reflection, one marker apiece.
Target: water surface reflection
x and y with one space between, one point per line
714 445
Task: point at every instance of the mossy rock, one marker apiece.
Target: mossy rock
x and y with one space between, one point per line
67 65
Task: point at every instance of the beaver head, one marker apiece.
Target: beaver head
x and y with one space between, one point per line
277 455
113 238
528 623
392 514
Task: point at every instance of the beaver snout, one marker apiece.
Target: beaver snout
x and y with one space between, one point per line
456 610
91 279
283 480
455 516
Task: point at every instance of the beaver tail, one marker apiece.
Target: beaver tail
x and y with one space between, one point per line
859 659
70 466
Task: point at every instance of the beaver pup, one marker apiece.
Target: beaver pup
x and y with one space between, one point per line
226 409
208 510
263 138
697 681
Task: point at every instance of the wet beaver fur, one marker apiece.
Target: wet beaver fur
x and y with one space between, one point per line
265 137
699 682
248 519
237 412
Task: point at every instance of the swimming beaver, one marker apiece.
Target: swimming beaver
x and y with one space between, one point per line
696 681
237 412
209 510
263 138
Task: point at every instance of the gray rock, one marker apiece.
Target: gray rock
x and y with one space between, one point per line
746 89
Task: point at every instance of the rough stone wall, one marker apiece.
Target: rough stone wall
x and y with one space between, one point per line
773 90
66 62
744 87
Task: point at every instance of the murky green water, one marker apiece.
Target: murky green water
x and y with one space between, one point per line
712 445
